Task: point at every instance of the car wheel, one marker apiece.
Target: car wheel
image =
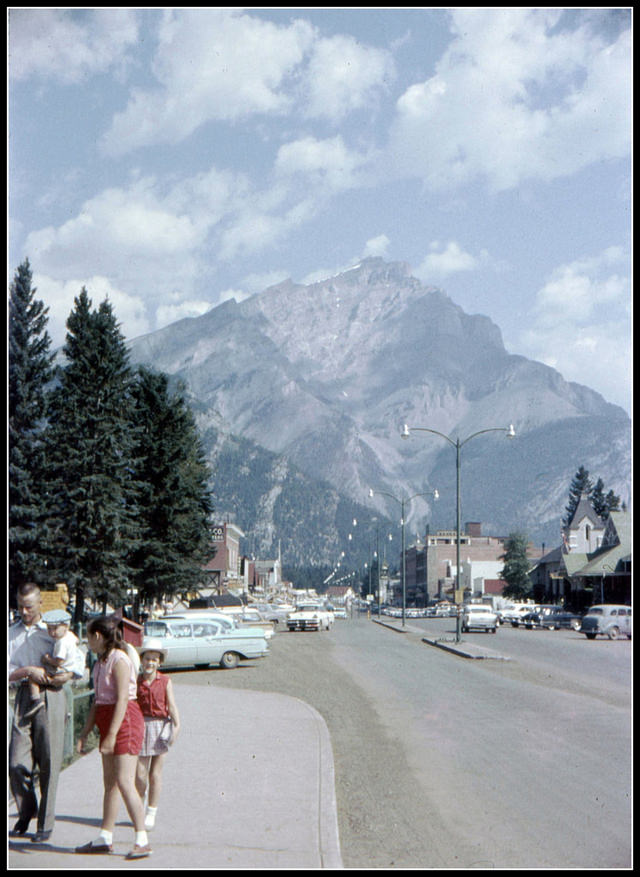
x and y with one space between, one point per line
551 627
230 660
613 633
590 635
575 625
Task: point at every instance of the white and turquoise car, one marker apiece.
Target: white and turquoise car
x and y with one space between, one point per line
203 641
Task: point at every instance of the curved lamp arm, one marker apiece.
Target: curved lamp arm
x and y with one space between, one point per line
407 430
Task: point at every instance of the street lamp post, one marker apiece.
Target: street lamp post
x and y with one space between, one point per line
402 503
457 444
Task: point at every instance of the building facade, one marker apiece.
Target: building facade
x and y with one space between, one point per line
431 564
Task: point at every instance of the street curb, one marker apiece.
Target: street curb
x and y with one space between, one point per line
469 650
464 650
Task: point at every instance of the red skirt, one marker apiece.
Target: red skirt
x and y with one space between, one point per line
131 732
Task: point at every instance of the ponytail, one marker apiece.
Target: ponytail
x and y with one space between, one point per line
108 626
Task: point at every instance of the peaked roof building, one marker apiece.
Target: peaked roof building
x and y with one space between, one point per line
593 565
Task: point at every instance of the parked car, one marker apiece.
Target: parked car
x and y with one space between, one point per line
230 620
310 616
551 618
607 619
446 610
273 612
514 614
200 642
253 618
479 616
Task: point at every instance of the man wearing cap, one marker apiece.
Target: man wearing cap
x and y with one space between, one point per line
37 735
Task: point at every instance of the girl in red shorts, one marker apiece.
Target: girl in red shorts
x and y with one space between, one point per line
116 713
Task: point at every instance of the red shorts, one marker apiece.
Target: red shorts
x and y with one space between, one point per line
131 732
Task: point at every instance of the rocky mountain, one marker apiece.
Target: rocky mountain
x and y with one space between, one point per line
321 379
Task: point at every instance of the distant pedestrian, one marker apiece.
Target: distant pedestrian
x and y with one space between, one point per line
37 740
162 724
117 715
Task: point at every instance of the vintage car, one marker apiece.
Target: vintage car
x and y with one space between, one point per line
607 619
229 620
199 642
479 616
551 618
310 616
251 617
515 613
273 612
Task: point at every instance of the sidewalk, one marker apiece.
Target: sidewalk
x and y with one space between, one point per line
248 784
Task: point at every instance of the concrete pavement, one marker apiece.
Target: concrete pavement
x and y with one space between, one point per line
464 649
249 783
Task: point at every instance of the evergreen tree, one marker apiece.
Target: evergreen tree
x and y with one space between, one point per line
174 503
30 371
516 568
599 500
91 439
581 484
612 503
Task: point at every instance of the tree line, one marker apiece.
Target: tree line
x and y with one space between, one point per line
108 481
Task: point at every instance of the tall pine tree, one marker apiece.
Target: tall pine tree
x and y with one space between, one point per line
30 371
91 439
581 484
516 568
174 503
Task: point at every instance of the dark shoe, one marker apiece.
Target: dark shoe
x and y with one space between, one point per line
40 836
20 828
93 847
139 852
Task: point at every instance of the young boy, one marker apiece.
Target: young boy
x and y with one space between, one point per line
64 654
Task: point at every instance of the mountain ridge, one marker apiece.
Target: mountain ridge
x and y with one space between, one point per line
326 374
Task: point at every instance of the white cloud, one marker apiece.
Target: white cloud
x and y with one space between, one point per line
324 163
581 324
377 246
68 45
516 96
214 64
343 75
442 261
58 296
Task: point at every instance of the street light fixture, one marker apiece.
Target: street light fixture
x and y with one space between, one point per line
434 493
457 444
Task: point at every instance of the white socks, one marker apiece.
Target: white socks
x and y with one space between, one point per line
150 817
141 839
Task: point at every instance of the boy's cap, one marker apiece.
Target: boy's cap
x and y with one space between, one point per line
56 616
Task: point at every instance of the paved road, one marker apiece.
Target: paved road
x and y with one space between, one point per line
445 762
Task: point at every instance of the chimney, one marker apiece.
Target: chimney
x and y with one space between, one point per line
474 529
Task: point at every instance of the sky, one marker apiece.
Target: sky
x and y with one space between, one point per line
171 159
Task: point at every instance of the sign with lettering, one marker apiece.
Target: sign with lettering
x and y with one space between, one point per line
217 534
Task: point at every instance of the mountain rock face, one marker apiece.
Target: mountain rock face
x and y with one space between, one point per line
323 377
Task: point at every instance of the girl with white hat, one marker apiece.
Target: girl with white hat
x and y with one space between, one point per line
162 724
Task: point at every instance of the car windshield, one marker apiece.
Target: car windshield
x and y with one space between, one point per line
155 628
